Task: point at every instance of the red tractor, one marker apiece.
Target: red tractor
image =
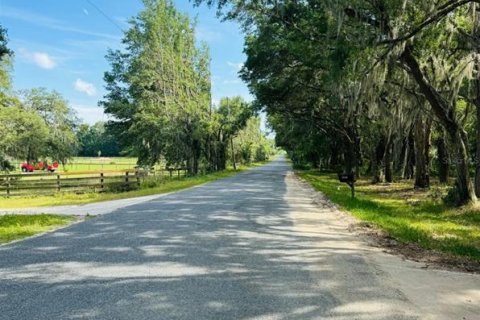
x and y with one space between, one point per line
27 167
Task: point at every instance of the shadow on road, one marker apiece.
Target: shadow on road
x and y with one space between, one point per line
226 250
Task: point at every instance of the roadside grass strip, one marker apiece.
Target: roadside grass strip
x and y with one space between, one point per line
15 227
406 214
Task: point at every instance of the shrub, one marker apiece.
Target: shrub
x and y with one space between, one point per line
151 182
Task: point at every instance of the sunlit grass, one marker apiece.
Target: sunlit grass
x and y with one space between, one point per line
406 214
14 227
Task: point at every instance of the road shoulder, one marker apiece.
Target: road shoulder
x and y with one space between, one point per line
437 293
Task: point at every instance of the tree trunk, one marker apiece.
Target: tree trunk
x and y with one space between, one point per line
421 173
358 155
233 155
477 104
401 159
465 192
350 157
221 156
409 157
443 162
334 157
477 127
387 160
428 145
377 157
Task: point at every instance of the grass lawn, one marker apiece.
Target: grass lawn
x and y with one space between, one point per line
99 164
406 214
14 227
92 164
89 197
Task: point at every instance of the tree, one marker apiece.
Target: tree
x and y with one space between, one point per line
251 143
159 88
94 139
6 55
60 140
340 65
231 116
22 134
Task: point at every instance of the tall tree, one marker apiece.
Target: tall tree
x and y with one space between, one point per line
5 65
60 141
158 89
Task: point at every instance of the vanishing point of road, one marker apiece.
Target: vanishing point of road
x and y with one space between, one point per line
259 245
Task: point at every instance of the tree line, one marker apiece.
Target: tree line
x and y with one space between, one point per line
385 88
158 97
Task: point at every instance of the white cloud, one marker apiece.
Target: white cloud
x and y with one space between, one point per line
43 60
85 87
236 65
90 114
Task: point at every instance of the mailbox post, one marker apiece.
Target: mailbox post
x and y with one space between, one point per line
348 178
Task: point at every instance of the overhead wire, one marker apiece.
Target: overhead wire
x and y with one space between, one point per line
106 16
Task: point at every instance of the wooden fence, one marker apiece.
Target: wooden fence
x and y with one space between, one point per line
26 184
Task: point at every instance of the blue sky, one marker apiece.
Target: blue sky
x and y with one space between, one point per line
61 45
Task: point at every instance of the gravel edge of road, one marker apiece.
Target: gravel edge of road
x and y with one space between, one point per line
379 238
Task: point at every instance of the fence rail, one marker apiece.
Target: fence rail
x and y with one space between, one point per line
25 184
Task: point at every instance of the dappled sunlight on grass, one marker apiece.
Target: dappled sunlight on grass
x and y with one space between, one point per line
407 214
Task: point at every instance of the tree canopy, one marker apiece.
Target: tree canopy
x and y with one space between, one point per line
381 87
158 94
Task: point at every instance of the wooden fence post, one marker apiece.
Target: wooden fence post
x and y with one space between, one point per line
126 179
8 186
102 185
137 176
58 182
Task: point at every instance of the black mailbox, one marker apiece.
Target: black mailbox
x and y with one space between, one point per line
346 177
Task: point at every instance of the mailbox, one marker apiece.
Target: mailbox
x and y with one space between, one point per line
346 177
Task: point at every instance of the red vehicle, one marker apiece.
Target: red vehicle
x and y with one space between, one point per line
27 167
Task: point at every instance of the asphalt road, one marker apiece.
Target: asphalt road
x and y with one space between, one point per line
252 246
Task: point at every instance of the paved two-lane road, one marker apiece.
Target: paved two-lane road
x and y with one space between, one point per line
253 246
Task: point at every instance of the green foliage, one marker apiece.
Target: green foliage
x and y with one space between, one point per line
95 141
159 87
251 144
60 142
158 90
5 66
352 84
22 133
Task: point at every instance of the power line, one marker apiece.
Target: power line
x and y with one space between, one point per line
104 14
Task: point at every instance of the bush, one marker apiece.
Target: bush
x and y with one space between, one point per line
120 187
452 197
436 194
151 182
261 154
5 165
